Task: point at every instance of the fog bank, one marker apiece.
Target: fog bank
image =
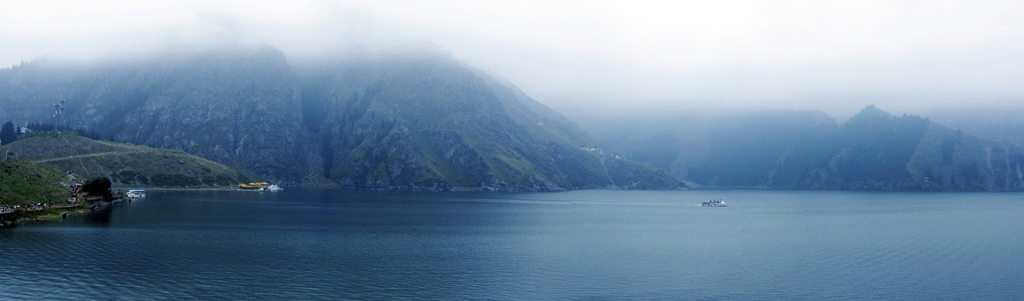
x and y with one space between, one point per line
836 57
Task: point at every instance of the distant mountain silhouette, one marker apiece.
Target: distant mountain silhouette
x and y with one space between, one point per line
808 150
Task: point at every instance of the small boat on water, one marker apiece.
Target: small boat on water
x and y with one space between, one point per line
263 186
718 203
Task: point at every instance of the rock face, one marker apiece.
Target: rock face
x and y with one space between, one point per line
951 160
422 121
428 122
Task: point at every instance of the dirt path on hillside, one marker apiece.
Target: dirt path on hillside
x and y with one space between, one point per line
85 155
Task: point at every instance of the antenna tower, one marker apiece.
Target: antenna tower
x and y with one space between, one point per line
57 109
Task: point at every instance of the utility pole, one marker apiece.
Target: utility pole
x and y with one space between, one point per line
57 109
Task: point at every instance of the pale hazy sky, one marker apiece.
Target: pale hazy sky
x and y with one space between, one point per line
835 56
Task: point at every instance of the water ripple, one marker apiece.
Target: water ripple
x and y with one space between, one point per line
594 245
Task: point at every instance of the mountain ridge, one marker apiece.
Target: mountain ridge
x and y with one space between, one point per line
873 150
421 122
456 126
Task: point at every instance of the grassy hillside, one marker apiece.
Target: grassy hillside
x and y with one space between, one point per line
23 183
125 164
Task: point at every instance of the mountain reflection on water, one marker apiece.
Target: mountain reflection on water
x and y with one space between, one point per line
346 244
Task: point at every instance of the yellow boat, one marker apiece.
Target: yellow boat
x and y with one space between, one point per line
262 186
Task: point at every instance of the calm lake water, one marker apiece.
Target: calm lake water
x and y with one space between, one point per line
604 245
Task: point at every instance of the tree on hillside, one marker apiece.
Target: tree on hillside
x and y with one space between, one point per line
98 187
7 134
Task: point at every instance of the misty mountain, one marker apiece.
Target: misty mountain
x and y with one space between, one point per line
417 121
1003 123
808 150
426 121
233 107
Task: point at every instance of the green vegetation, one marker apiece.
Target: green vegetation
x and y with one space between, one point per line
48 129
123 164
8 134
23 183
98 187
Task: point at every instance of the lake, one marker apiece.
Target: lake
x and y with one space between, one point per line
594 244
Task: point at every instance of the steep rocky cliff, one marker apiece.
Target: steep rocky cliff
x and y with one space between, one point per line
428 122
416 121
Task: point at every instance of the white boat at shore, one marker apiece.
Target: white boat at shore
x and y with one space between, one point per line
135 193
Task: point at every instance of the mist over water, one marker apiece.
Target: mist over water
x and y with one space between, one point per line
340 244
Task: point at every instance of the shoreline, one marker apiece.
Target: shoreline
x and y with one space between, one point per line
172 188
57 214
